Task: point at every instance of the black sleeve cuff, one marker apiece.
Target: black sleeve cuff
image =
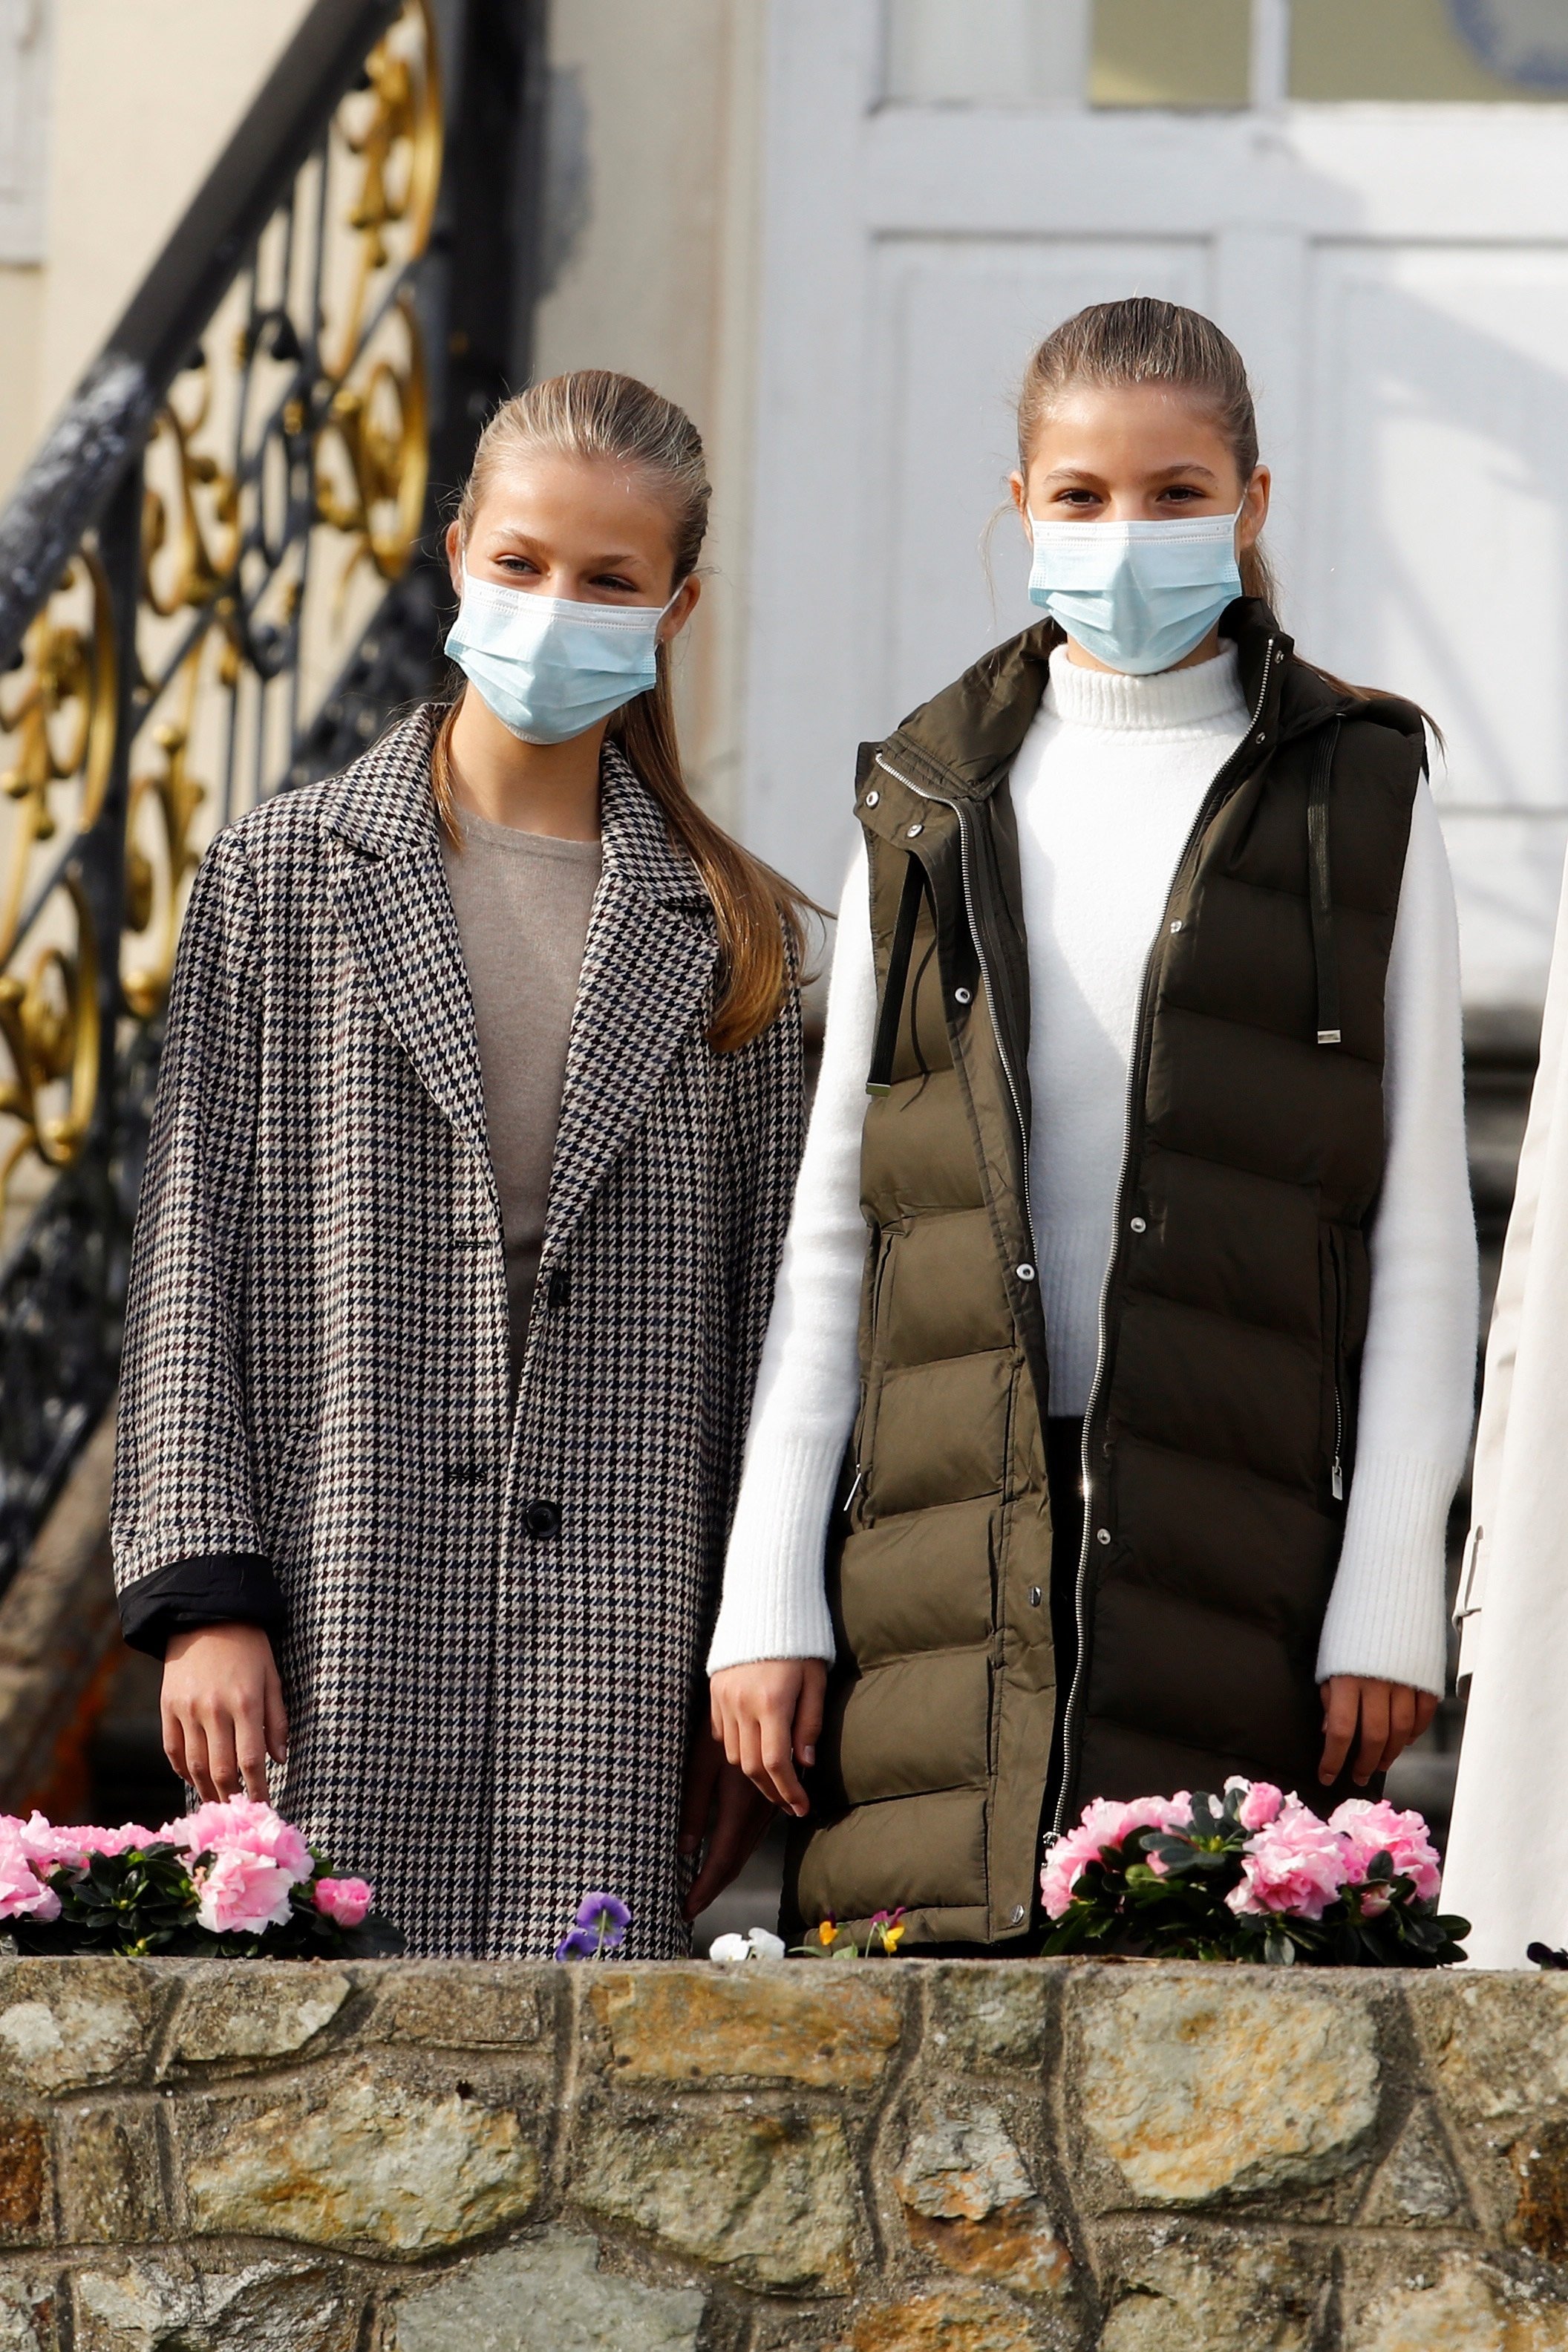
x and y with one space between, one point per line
218 1589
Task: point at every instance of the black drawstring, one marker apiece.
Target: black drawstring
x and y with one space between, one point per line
881 1078
1320 888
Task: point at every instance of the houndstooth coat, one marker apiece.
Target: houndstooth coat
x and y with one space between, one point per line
493 1621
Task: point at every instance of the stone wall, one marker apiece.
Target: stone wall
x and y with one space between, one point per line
867 2156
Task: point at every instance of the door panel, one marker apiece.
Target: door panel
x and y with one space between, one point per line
956 321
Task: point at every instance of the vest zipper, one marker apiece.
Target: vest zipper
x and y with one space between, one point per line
964 854
1337 1468
1211 801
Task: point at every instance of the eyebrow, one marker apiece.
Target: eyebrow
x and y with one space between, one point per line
1166 474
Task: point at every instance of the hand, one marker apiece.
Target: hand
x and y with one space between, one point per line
768 1716
1388 1715
722 1808
223 1710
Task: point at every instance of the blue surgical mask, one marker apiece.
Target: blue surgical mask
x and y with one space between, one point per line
549 669
1137 596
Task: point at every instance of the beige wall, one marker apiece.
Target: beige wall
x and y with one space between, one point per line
651 248
142 97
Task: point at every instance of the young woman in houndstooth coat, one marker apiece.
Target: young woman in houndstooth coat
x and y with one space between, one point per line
475 1135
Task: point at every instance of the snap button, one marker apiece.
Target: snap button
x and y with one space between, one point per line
1177 924
1034 1596
542 1519
913 830
1260 739
1102 1535
1138 1226
872 798
1017 1913
961 996
1026 1274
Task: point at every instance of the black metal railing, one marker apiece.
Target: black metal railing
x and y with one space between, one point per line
219 576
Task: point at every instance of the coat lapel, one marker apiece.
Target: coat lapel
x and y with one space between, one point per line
647 971
396 912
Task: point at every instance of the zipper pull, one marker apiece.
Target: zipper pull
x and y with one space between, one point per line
1337 1479
855 1489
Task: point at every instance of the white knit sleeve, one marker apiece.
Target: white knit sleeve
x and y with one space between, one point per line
1386 1615
775 1604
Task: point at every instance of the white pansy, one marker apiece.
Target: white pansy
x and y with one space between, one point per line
765 1947
728 1948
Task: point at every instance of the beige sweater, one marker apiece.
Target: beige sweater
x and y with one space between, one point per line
523 902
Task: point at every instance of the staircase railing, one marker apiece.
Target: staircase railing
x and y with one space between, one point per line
218 577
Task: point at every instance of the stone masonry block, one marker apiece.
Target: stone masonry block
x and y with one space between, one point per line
545 2294
1417 2185
457 2004
25 2218
172 2304
1456 2303
29 2312
989 2016
106 2162
764 2021
1203 2084
969 2201
255 2009
359 2159
1499 2043
68 2024
768 2198
1180 2293
950 2319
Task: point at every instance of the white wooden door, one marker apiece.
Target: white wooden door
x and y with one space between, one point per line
1396 276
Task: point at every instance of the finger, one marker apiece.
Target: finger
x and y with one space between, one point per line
201 1779
251 1752
752 1763
1401 1725
1339 1712
175 1744
808 1712
779 1764
1373 1732
223 1764
1426 1705
277 1717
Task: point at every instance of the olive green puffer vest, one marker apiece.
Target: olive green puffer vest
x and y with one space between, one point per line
1218 1442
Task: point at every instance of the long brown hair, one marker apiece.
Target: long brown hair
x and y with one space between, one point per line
1144 341
596 414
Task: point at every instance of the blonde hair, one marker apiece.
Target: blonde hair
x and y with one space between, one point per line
597 415
1142 340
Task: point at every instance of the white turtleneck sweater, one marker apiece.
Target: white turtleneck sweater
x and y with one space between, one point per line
1106 786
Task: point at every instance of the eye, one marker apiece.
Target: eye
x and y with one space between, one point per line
1079 497
520 566
617 581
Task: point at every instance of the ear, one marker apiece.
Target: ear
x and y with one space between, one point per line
681 609
455 556
1020 491
1254 507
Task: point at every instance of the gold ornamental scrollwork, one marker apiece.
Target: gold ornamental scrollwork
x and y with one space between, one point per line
382 429
394 131
51 1027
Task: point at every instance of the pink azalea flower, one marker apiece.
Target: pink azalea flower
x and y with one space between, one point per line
1261 1805
241 1825
23 1894
1105 1824
241 1893
344 1900
1368 1830
1296 1864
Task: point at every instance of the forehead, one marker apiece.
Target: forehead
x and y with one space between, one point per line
532 489
1150 425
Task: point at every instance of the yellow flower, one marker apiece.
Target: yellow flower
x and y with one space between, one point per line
826 1932
890 1936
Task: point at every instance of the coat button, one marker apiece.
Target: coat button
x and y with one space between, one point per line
1017 1913
911 831
1102 1535
1035 1596
542 1519
872 798
1026 1274
1138 1226
1260 739
558 1292
1177 924
962 996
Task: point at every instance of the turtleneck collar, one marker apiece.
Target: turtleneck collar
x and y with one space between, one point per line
1171 702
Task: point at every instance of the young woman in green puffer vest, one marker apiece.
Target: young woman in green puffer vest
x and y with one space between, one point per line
1120 1373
